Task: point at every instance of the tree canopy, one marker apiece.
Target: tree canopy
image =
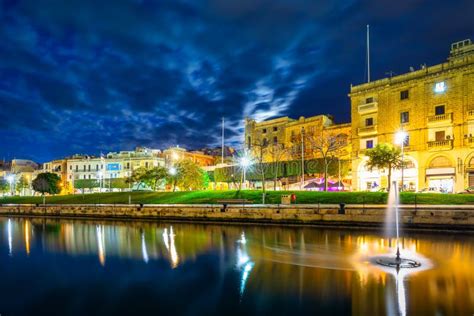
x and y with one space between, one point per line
189 176
384 156
47 182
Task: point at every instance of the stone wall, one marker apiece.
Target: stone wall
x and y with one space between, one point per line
435 217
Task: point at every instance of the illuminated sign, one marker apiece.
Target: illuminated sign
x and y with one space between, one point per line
440 87
113 166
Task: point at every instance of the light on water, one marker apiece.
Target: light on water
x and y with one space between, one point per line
147 268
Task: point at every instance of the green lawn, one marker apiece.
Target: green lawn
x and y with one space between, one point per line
273 197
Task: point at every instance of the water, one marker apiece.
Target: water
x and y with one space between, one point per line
74 267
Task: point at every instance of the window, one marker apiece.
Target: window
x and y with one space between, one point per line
404 95
439 110
84 176
70 167
249 142
89 176
265 142
404 117
128 165
406 141
146 164
89 168
275 140
369 100
97 167
275 128
77 168
369 121
369 144
84 167
440 135
264 131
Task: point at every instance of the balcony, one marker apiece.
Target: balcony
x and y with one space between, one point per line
470 115
445 144
469 141
441 118
367 130
368 107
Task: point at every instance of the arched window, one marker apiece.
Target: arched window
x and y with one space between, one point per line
440 162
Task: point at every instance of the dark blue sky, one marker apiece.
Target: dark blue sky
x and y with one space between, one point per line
80 76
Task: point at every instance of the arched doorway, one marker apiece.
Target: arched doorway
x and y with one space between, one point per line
440 174
470 170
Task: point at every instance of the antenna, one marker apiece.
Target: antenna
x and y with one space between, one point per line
368 53
222 161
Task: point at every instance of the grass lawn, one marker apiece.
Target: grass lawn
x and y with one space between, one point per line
211 197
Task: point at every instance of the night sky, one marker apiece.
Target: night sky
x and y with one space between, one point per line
81 76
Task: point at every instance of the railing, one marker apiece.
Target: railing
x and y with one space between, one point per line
440 117
440 143
367 129
470 114
368 107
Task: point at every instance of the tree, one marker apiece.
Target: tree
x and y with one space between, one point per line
83 184
277 152
188 176
328 146
384 156
22 184
47 182
4 186
149 177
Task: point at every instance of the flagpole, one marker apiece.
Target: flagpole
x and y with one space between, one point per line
368 53
222 160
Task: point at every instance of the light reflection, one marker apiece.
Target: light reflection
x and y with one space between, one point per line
334 262
243 262
27 237
100 244
10 238
144 252
173 252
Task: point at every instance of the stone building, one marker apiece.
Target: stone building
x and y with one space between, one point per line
174 154
114 165
434 106
287 134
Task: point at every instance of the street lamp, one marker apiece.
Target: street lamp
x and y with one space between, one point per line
172 171
244 163
400 139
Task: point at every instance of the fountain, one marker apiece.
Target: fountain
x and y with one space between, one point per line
392 210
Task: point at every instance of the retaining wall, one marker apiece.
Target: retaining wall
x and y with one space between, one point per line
426 216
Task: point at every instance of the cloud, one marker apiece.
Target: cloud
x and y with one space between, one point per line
89 76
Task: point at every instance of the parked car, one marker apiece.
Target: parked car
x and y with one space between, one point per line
430 190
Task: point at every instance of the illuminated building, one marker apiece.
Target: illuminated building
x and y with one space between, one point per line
434 106
174 154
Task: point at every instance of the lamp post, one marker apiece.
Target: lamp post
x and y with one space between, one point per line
172 171
400 139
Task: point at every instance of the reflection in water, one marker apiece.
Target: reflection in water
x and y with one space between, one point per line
144 252
9 231
307 270
100 243
243 262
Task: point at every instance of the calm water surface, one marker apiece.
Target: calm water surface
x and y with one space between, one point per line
74 267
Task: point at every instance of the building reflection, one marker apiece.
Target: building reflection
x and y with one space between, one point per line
317 264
